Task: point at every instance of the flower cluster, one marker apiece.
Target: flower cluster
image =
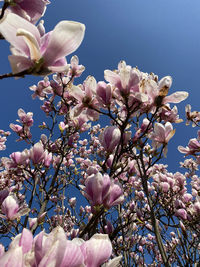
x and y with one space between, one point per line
92 190
54 249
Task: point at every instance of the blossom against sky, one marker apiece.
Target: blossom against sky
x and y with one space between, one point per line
157 36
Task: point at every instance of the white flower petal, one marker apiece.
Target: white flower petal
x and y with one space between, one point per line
65 39
9 26
31 43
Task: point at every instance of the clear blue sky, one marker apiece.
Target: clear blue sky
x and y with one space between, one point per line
160 36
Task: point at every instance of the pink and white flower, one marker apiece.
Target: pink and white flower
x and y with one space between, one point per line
101 190
110 138
55 250
161 135
31 10
37 54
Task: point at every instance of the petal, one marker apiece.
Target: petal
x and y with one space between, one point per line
176 97
58 69
49 259
170 135
98 250
72 255
184 149
35 9
165 82
44 41
114 262
116 195
65 39
26 240
59 66
90 85
159 130
112 77
13 257
9 26
77 92
125 76
10 207
168 128
31 43
19 63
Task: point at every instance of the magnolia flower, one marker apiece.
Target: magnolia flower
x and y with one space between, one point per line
161 135
110 138
192 148
25 118
31 10
11 209
55 250
37 54
104 93
97 250
101 190
97 188
181 213
125 79
75 69
86 97
62 126
19 158
37 153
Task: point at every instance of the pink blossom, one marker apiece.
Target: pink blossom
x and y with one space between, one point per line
193 116
75 69
48 159
115 262
72 201
19 158
197 207
110 160
161 135
61 252
192 148
40 54
125 79
41 89
25 118
181 213
104 93
13 257
110 138
101 190
187 197
141 86
54 248
10 208
97 250
16 128
32 222
37 153
96 188
31 10
108 227
62 126
86 97
156 94
24 240
3 139
115 195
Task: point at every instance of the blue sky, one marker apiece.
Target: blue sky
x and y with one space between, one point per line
156 35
